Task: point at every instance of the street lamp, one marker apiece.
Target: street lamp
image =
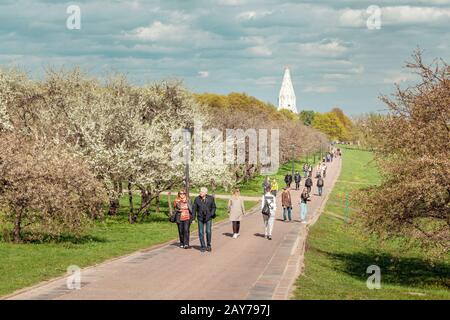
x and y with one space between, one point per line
292 150
187 132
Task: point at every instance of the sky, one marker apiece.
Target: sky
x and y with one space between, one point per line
337 55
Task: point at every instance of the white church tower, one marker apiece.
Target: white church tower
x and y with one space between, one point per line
286 99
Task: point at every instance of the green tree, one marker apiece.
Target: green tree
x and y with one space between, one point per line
307 116
411 145
329 124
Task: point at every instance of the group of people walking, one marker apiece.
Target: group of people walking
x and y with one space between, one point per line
203 208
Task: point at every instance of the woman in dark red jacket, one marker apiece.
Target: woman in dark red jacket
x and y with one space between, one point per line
183 211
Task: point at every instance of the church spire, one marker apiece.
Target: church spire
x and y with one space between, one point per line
286 98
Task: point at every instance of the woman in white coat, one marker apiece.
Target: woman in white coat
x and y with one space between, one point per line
236 210
268 207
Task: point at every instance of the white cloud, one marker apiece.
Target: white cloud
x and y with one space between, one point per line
157 31
397 15
260 51
352 18
203 74
336 76
249 15
175 35
415 15
319 89
357 70
396 77
328 48
267 81
231 2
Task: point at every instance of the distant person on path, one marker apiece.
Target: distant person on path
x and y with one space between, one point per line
318 169
286 203
304 198
265 185
184 217
308 184
297 179
305 170
268 207
236 210
323 170
274 187
310 169
320 184
204 210
288 180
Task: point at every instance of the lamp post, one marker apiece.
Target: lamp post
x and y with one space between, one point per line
292 150
187 132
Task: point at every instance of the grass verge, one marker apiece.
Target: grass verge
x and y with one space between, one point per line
338 253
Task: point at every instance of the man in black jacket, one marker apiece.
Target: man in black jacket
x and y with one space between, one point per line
297 179
308 184
288 180
204 210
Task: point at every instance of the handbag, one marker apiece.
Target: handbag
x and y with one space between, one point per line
266 208
174 217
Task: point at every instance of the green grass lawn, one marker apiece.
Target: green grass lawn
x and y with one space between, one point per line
339 253
23 265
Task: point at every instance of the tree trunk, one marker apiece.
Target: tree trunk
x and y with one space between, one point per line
145 203
131 217
143 198
113 207
114 202
18 227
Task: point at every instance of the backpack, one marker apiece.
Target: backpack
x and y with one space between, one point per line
308 182
320 182
266 208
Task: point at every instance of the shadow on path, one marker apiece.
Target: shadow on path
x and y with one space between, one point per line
259 235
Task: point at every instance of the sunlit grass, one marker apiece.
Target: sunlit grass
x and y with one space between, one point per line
338 253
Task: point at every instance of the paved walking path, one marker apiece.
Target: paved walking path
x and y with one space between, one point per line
249 267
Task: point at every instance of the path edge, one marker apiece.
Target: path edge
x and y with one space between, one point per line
43 283
296 262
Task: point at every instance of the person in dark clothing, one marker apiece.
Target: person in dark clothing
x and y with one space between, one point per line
184 217
320 184
288 180
304 198
297 179
265 184
308 184
305 170
204 210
